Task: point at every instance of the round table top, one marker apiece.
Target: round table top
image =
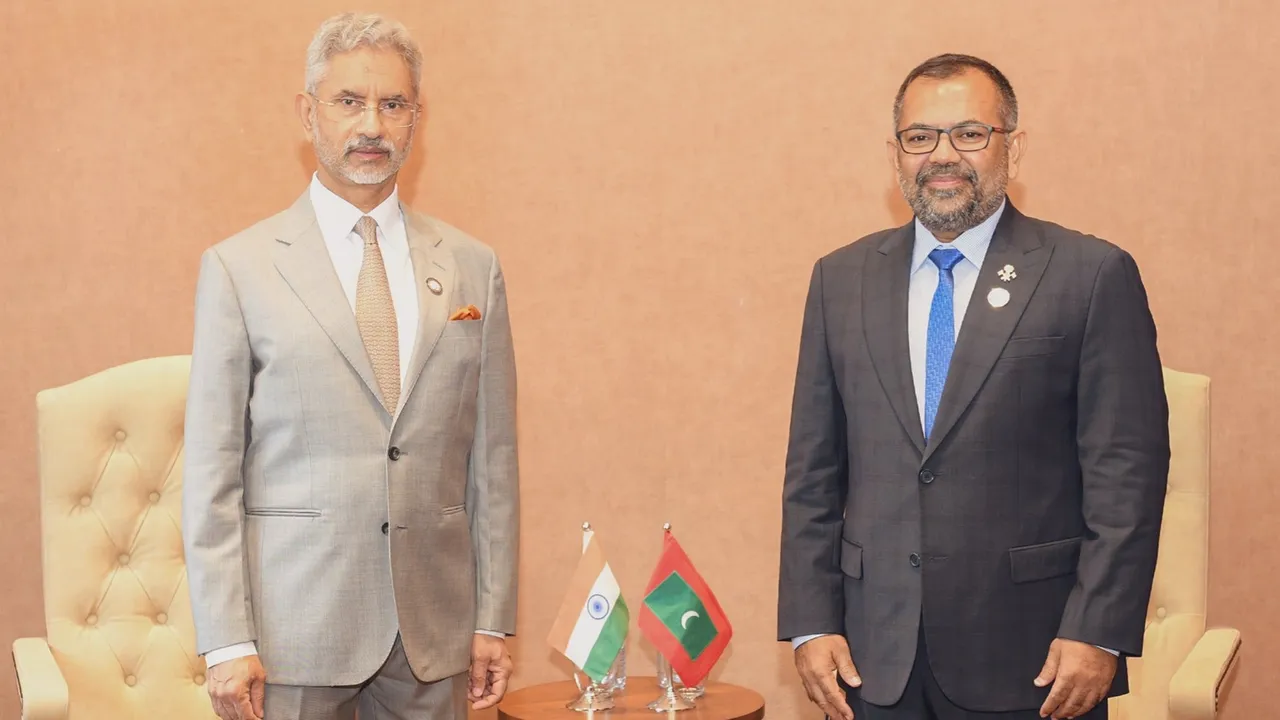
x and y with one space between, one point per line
722 701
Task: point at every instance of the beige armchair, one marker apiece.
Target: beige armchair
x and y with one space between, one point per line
119 639
1185 668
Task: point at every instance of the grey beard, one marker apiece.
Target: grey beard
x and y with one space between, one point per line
970 214
336 162
956 221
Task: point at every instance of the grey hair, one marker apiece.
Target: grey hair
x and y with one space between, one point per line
351 31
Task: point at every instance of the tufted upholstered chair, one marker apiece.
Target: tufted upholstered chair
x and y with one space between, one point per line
119 638
1185 668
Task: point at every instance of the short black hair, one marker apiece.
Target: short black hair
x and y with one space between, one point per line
941 67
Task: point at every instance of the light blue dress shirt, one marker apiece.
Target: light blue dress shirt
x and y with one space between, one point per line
972 244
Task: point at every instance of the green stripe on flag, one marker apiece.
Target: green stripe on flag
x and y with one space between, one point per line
607 645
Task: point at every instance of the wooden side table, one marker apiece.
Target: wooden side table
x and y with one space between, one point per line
547 702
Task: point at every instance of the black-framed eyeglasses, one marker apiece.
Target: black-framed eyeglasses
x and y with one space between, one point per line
966 137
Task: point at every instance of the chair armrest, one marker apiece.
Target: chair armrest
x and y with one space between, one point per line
1195 688
41 687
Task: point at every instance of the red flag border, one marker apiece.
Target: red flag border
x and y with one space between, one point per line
691 671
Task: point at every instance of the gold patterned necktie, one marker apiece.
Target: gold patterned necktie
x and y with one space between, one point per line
376 316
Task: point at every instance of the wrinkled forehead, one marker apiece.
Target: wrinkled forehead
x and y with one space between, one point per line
970 96
368 72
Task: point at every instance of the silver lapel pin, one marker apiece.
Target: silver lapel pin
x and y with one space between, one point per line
1007 273
434 286
998 297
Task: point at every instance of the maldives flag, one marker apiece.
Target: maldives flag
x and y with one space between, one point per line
681 616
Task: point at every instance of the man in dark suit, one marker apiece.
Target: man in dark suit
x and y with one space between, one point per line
979 442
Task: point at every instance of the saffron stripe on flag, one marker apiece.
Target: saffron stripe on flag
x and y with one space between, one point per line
578 590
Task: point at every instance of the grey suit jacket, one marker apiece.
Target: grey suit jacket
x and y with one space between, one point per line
316 523
1034 509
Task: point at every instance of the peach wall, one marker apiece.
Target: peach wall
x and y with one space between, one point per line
659 177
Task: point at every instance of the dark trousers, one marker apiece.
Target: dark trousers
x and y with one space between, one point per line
923 699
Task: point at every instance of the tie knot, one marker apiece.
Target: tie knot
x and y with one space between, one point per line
367 227
946 258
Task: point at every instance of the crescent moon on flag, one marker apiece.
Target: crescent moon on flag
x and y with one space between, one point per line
685 618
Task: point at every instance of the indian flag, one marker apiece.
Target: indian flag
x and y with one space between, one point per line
592 623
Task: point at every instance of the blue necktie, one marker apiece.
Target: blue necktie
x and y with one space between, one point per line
942 333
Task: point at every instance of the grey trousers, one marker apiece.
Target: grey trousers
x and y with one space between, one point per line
393 693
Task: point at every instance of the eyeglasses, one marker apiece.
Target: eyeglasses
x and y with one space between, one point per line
395 113
969 137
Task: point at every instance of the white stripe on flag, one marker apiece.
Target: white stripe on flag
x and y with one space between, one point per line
587 630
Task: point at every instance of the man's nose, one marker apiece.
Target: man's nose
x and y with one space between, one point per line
370 123
945 153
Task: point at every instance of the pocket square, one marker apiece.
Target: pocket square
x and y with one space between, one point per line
470 312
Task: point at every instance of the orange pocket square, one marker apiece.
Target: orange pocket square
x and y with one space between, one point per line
470 312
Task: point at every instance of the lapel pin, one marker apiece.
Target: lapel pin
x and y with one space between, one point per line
1007 273
434 286
998 297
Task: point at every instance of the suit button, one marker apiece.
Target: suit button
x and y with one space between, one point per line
926 476
915 560
385 528
394 453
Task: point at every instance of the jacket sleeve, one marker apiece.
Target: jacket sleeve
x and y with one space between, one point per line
493 485
1123 440
213 485
810 585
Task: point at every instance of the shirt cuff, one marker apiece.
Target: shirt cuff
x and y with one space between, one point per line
231 652
1113 652
797 642
490 632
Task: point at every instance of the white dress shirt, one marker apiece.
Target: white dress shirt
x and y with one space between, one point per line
972 244
337 220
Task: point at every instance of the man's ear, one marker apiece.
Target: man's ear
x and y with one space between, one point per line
1017 149
305 106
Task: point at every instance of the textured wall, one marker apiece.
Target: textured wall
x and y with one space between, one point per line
658 177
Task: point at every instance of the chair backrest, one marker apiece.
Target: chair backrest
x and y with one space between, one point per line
1179 599
117 610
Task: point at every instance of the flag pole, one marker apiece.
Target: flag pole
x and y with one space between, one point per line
595 696
670 700
616 680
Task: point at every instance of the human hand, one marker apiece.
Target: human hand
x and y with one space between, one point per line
818 661
237 687
490 670
1081 675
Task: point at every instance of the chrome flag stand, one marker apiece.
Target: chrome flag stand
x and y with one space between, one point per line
672 698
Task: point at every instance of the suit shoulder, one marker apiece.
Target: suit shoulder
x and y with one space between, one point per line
250 239
466 248
1088 248
854 252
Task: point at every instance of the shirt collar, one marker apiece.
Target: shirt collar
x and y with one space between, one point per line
337 217
971 243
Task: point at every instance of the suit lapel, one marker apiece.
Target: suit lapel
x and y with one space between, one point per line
305 264
435 275
986 328
886 277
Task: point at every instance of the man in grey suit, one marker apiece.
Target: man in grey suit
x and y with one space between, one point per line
350 484
979 442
